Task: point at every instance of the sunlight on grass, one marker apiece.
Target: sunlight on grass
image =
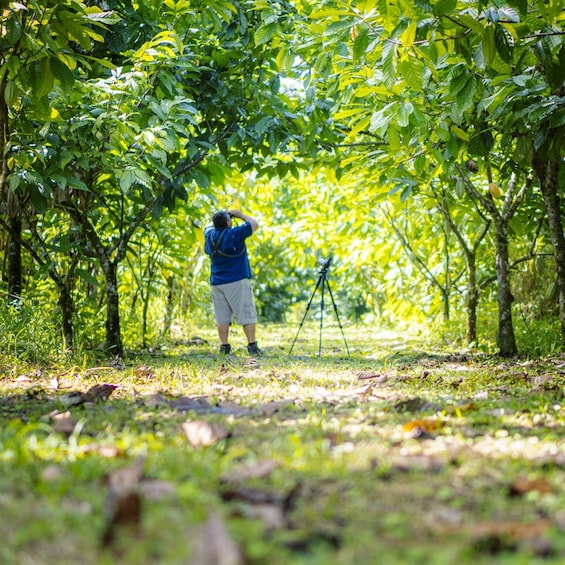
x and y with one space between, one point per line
401 449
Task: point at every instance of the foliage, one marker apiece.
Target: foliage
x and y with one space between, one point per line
343 125
28 331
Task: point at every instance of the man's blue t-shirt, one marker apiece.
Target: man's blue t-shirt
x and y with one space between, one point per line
230 262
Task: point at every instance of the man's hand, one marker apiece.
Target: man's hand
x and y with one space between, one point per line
240 215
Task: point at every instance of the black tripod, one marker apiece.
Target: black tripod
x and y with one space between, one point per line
324 283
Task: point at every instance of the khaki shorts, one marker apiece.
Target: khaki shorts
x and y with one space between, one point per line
234 300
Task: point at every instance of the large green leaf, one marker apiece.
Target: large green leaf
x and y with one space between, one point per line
504 43
41 79
265 33
62 73
389 58
412 70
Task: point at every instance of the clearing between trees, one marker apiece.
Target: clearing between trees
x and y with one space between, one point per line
401 452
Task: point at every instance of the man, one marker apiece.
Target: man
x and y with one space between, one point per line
230 276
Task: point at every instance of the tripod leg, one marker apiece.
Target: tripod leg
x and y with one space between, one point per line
337 316
306 312
321 314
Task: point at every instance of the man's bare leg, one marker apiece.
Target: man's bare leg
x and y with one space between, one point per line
223 333
249 330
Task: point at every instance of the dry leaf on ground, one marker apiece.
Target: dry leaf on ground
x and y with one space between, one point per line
523 485
213 544
256 470
63 422
201 433
376 378
418 428
124 501
156 490
271 515
269 408
144 372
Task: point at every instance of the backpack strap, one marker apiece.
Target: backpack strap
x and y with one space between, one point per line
217 243
217 247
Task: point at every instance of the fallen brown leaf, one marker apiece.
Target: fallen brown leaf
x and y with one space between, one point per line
523 485
416 428
214 545
64 423
271 515
124 502
99 392
52 473
377 378
201 433
254 471
269 408
516 530
251 363
144 372
156 490
366 390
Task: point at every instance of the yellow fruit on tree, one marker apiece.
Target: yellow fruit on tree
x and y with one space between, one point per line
494 190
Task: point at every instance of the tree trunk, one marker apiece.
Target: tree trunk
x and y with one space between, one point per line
548 173
113 334
169 306
144 318
472 299
506 339
67 310
14 256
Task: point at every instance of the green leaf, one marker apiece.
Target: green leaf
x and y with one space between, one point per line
509 14
557 118
412 70
465 97
470 22
504 43
126 179
555 69
201 178
389 63
489 48
458 80
87 276
360 44
409 35
460 133
492 14
265 33
62 73
442 7
12 30
393 139
381 119
403 114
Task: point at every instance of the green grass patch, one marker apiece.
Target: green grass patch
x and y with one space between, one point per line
401 452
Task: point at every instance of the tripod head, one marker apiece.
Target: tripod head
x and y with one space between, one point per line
325 265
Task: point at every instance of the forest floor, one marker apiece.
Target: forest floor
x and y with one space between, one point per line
401 452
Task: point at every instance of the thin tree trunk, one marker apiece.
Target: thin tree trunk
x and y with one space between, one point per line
14 256
472 299
506 338
113 334
169 306
67 311
144 318
548 172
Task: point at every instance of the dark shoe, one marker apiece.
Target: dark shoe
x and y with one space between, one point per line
225 349
253 349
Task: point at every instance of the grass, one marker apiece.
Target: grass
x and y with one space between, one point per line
402 453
